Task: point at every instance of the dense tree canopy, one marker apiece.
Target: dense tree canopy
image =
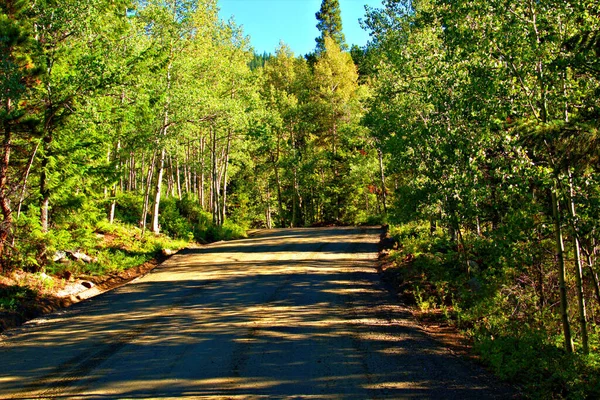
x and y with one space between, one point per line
117 107
488 113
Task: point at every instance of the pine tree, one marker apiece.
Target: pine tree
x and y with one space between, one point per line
330 25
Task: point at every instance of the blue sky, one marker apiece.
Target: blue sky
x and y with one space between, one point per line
293 21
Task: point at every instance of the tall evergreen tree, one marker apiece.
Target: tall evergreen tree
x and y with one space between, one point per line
330 25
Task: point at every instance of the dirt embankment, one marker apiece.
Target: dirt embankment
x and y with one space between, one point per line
63 292
431 321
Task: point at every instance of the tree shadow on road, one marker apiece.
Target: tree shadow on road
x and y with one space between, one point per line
251 329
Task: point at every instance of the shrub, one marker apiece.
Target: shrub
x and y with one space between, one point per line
172 222
227 231
129 207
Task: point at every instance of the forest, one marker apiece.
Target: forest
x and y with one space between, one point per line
470 127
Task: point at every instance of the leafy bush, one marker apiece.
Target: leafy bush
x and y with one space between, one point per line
373 220
172 222
520 341
29 252
545 370
12 296
228 231
129 207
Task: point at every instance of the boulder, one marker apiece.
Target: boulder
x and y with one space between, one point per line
79 256
168 252
59 255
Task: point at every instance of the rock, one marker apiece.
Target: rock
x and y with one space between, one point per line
87 284
168 252
59 255
79 256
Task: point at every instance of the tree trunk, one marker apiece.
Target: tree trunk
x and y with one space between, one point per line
113 204
225 169
268 209
111 214
560 259
27 171
163 133
186 168
178 172
147 192
170 178
202 172
295 202
7 222
383 188
142 168
185 175
44 190
194 173
539 268
279 197
131 182
156 208
215 184
578 270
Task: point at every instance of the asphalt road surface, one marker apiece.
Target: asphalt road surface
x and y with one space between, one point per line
296 313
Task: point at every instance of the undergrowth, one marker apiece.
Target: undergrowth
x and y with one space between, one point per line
44 261
484 291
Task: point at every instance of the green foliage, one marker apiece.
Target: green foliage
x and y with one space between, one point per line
128 207
172 222
112 261
544 369
185 219
11 297
259 60
330 24
520 341
227 231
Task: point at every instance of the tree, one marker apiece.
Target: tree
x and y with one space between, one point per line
18 78
330 25
486 106
334 95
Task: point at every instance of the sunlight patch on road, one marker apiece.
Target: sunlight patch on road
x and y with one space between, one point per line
350 291
393 351
232 383
399 385
188 387
379 337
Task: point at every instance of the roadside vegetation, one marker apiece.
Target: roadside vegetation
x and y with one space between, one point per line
487 113
498 307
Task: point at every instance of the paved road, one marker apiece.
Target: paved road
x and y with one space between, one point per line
294 313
